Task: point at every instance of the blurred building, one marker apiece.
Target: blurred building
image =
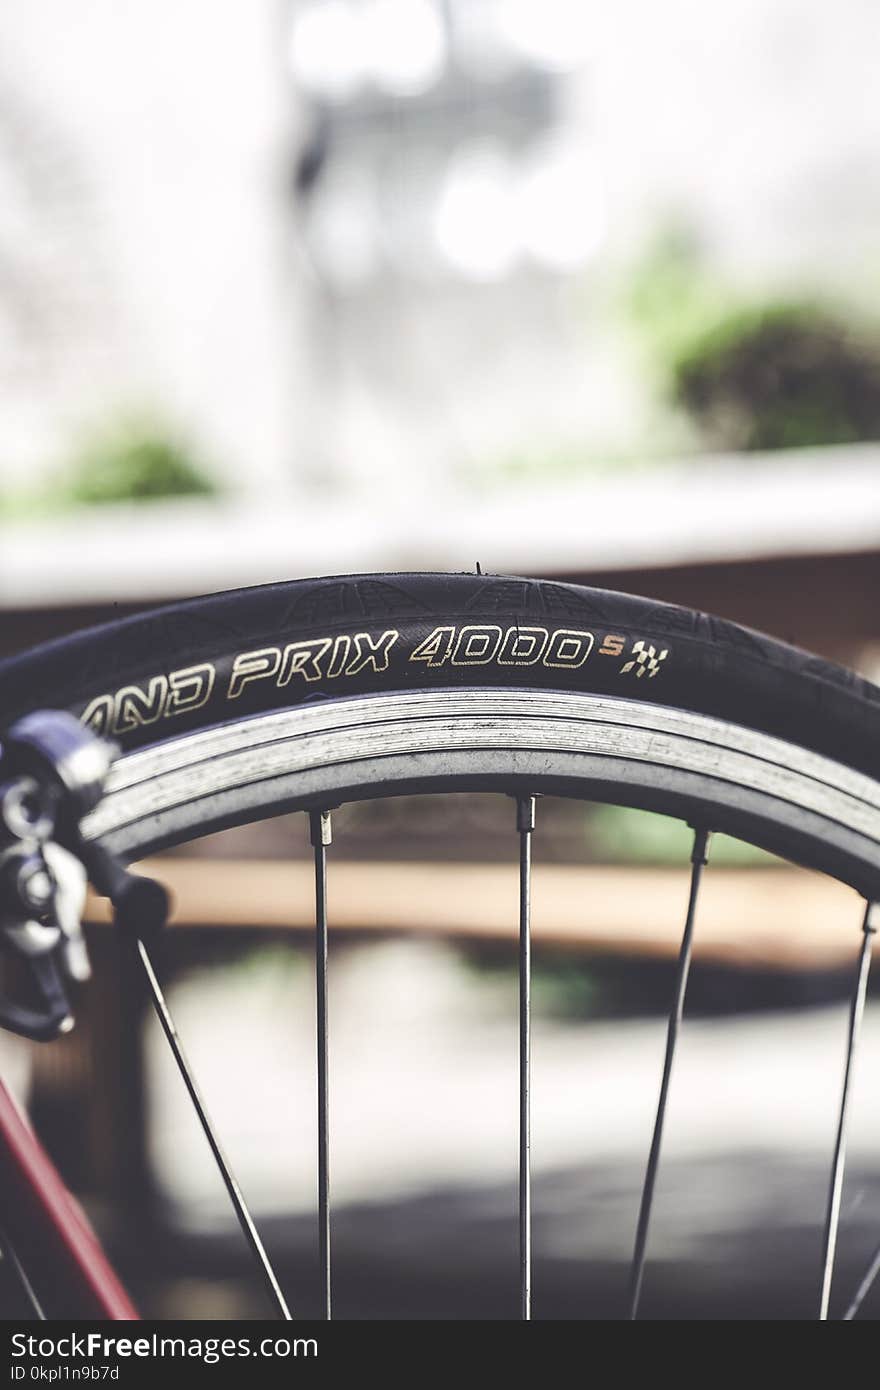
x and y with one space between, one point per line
339 241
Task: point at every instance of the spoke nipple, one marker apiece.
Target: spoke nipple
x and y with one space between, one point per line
525 814
320 828
141 908
702 842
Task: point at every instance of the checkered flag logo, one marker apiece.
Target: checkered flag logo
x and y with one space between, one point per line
645 660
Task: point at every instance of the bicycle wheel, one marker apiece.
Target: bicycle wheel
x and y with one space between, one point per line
302 695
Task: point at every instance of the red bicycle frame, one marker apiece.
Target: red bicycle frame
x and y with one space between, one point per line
48 1229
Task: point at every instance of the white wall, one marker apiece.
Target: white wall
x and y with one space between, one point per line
762 116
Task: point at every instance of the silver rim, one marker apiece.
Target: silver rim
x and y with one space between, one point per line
763 788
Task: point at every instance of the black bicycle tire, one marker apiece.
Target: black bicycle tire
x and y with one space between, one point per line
699 662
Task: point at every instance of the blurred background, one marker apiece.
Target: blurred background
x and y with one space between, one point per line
293 287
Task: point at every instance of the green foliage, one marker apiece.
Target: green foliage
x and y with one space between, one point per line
622 834
564 986
749 374
17 506
670 297
134 462
780 376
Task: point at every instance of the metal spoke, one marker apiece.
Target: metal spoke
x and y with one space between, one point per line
321 835
7 1249
865 1286
857 1008
245 1221
699 856
525 824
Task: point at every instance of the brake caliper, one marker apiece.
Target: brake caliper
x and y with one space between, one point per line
52 773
